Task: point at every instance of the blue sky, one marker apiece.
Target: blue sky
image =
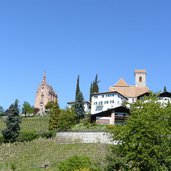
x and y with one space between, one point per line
68 38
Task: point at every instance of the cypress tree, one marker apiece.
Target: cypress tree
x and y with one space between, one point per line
165 89
77 87
95 86
11 132
91 91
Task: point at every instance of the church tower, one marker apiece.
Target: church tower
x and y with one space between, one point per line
140 78
44 94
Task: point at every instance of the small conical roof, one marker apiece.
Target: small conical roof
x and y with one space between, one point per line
121 83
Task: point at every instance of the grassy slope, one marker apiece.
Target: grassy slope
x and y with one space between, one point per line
34 124
30 156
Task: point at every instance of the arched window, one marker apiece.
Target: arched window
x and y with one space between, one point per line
140 79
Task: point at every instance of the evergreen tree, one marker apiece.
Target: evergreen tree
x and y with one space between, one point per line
91 91
54 116
165 89
11 132
79 106
77 87
95 85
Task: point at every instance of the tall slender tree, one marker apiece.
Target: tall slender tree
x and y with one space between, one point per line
165 89
94 87
11 132
91 91
79 102
77 87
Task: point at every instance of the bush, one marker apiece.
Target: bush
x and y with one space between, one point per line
77 163
49 134
27 136
84 169
1 139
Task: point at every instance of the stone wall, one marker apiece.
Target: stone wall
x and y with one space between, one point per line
84 137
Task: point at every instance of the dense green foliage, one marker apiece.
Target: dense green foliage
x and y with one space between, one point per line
79 102
11 132
54 116
77 162
67 118
144 143
27 108
94 87
79 106
2 112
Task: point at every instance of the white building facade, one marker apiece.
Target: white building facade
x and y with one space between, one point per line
105 101
87 106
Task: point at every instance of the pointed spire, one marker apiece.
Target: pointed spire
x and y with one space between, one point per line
44 78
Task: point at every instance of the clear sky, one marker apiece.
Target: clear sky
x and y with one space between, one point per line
67 38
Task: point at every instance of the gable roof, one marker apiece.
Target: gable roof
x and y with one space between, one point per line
121 83
165 94
109 111
131 91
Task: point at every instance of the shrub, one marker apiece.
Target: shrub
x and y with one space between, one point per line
48 134
84 169
76 163
27 136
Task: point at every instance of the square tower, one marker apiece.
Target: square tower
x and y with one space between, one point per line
140 78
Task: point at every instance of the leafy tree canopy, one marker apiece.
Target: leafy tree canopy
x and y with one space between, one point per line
27 108
54 116
144 143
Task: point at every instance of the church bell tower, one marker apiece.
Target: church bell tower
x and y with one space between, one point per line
140 78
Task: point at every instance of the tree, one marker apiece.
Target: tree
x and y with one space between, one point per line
27 108
54 116
77 87
79 106
94 87
11 132
143 144
67 118
2 112
91 91
165 89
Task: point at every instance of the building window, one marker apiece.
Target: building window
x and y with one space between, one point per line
96 97
106 102
102 96
100 103
95 103
140 79
112 101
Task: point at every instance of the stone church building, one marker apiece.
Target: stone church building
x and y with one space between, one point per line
44 94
